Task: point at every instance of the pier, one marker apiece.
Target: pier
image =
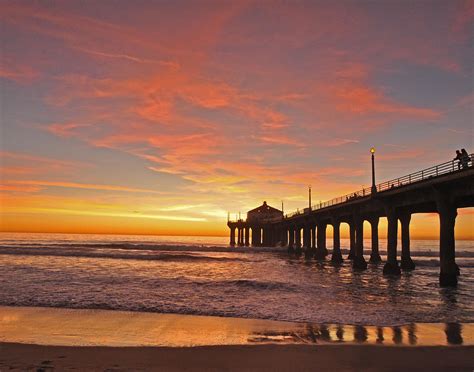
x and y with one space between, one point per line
441 189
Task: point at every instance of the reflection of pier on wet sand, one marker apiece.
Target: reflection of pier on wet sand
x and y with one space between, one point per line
416 334
50 326
97 340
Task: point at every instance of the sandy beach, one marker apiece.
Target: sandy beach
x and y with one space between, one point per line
47 339
19 357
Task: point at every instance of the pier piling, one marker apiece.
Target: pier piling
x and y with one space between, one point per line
374 228
407 263
391 266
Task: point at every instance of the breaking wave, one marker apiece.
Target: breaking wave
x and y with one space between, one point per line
163 252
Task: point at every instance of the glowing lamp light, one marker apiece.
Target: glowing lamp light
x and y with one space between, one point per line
373 188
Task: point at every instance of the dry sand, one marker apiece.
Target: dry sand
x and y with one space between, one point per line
20 357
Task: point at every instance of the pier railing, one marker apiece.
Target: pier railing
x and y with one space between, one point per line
424 174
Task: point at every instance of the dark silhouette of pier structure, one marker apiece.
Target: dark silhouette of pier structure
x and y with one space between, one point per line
441 189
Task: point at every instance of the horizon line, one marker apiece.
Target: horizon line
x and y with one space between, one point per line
176 235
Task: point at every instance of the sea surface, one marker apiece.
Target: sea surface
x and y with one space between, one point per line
203 276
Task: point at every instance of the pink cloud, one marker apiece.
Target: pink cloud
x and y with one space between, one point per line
36 184
361 99
65 129
15 163
18 72
333 142
279 140
464 17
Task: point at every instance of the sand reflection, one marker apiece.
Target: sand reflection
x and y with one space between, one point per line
422 334
68 327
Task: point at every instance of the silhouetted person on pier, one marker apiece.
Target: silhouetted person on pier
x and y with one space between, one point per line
458 158
464 159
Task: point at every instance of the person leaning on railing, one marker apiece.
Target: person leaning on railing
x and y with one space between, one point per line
458 158
465 159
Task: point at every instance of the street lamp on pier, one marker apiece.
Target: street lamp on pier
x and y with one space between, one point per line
374 188
309 191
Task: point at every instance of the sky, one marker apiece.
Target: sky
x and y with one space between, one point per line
160 117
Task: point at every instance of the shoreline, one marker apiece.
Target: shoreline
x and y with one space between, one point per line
51 326
49 339
223 235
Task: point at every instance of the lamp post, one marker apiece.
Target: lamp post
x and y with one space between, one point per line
374 188
309 190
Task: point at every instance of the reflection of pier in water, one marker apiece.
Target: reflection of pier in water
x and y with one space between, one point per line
415 334
441 189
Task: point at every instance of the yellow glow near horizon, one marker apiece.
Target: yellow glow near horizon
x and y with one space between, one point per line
423 226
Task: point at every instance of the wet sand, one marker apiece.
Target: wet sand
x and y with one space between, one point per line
76 327
97 340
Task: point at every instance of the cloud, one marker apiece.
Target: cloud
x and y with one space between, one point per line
117 214
181 207
400 155
334 142
20 188
76 185
65 129
463 18
23 164
279 140
170 64
16 71
361 99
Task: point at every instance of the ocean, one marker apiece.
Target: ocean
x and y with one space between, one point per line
203 276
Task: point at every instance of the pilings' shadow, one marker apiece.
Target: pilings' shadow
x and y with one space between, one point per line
407 335
360 334
397 337
454 333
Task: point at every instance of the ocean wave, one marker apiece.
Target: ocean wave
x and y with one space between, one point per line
141 246
256 284
435 263
76 247
415 253
114 255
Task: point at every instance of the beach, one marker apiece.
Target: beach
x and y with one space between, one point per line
204 185
94 303
98 340
20 357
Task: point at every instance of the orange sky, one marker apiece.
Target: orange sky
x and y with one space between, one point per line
159 118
